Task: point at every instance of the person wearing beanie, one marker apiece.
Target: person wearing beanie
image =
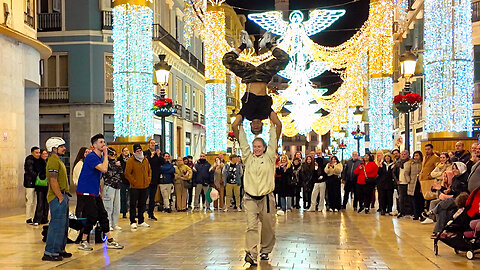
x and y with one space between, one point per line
139 175
256 104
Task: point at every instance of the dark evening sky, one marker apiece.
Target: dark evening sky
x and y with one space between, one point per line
345 27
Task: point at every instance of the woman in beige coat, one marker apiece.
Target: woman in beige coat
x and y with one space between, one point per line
182 173
412 170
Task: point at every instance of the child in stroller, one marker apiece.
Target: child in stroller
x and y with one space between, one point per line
462 233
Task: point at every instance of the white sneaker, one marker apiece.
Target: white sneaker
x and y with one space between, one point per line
133 226
144 225
84 245
118 228
111 228
245 38
280 213
427 221
310 210
239 209
330 210
335 210
225 209
267 38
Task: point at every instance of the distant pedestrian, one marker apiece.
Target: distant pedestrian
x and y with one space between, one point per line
29 178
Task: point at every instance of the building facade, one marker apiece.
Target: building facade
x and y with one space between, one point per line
76 97
409 34
21 55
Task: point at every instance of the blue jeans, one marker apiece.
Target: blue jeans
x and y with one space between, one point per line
58 227
286 203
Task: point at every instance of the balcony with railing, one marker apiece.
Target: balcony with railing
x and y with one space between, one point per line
109 94
29 20
107 20
53 95
476 11
202 119
162 35
49 22
195 117
188 113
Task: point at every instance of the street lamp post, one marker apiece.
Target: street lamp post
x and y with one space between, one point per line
357 118
342 134
408 62
233 116
162 74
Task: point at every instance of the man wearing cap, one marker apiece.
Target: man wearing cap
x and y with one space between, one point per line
232 173
57 198
139 175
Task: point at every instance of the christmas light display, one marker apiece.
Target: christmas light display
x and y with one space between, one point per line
132 68
380 113
448 66
192 19
215 73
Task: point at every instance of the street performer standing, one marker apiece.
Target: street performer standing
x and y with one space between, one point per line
259 183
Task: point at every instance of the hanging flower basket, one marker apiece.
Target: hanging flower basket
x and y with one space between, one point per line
358 135
163 107
407 103
342 146
231 137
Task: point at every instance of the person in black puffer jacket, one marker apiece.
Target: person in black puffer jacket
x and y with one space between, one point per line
385 185
202 181
308 177
285 191
167 178
41 210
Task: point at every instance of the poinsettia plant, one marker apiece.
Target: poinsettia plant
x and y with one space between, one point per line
408 102
231 136
163 107
358 134
342 146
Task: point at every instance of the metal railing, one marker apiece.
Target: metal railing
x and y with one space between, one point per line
195 117
109 94
188 113
53 94
162 35
107 20
476 11
29 20
231 101
202 119
476 93
49 22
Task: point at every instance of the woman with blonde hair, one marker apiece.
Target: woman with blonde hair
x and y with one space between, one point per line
334 172
285 189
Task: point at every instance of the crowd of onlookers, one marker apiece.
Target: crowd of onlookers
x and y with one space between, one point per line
423 186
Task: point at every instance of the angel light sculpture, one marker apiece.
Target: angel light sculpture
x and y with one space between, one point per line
299 97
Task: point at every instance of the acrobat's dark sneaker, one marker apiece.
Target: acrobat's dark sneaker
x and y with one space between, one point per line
250 259
264 257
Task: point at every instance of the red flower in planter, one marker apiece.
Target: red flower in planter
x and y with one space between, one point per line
413 98
397 99
168 100
157 103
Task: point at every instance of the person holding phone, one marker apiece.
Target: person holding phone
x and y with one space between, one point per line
334 172
153 156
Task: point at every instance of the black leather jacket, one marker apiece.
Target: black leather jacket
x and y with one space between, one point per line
250 73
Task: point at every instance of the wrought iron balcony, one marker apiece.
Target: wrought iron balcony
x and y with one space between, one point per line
109 94
162 35
49 22
29 20
107 20
53 95
476 11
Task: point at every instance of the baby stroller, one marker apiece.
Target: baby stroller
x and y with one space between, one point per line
463 232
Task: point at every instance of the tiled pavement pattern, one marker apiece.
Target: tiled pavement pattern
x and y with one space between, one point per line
344 240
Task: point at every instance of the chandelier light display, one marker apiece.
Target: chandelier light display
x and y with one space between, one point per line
133 68
448 66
